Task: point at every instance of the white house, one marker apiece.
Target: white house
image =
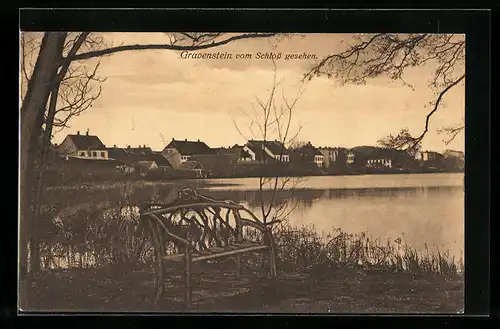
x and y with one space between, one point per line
266 150
379 163
83 147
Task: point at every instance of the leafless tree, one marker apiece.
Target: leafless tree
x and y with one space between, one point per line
53 61
271 121
373 55
70 97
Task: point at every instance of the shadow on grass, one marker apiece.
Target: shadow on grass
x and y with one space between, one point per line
317 290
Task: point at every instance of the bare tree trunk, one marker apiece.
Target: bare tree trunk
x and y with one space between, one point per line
37 199
32 112
49 122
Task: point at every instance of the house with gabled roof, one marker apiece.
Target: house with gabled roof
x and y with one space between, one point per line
267 151
186 149
130 156
236 151
309 153
161 162
83 147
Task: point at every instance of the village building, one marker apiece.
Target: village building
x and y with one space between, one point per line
453 153
194 166
142 157
432 160
266 151
385 162
309 153
83 147
236 150
143 167
454 160
330 155
161 162
389 158
351 157
186 149
129 154
430 156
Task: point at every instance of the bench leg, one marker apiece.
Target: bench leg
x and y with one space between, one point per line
188 274
160 284
239 269
272 263
159 280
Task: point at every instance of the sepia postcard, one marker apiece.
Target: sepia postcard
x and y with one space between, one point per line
242 172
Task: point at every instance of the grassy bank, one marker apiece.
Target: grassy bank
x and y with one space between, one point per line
340 289
337 273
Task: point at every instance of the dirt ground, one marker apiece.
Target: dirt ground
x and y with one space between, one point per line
325 290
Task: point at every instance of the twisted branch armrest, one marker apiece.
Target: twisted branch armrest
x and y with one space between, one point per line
260 227
158 220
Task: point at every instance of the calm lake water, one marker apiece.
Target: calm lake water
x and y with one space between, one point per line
421 209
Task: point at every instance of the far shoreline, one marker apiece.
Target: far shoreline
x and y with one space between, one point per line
201 183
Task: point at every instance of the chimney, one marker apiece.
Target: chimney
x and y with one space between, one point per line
198 140
78 132
87 133
114 146
55 144
128 146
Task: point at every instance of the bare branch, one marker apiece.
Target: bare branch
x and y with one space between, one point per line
451 132
170 46
390 55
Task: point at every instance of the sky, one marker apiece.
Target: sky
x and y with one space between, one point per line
150 97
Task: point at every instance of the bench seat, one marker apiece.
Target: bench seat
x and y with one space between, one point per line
218 252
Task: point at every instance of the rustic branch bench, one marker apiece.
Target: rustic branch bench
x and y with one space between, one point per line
195 228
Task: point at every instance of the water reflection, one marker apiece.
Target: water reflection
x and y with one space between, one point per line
305 197
425 211
426 214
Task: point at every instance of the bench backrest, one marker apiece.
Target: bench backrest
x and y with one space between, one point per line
201 222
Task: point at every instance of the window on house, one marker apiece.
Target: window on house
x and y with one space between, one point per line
94 154
82 154
103 155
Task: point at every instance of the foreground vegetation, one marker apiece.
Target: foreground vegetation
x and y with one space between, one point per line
97 256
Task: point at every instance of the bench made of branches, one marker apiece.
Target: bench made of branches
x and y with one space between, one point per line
195 228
